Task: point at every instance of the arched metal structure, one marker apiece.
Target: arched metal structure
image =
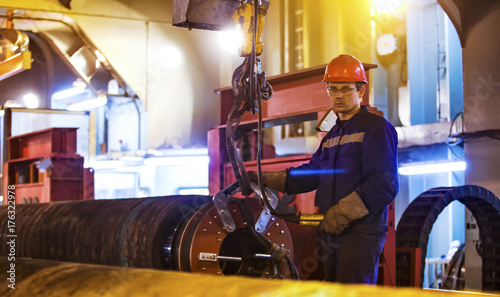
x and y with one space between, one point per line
416 224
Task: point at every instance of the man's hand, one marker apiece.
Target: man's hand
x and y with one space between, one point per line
272 179
338 217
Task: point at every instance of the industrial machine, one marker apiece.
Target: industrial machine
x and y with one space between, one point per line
223 235
188 233
411 239
249 87
174 233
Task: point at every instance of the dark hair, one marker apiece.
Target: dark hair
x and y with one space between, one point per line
359 84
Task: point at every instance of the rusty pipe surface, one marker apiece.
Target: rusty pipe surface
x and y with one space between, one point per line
172 232
120 232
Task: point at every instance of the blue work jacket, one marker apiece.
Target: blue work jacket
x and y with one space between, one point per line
360 155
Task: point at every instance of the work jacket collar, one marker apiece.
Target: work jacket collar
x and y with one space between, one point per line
362 110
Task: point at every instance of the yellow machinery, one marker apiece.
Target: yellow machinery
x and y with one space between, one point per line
14 54
42 278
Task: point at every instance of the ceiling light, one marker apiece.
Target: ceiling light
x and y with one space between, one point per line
31 100
64 94
89 104
231 40
386 44
426 168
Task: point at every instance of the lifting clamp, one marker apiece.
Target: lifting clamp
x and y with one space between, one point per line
250 88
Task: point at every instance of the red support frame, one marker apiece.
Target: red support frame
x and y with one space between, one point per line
63 177
415 255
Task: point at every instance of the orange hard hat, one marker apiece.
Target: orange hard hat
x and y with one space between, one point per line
345 68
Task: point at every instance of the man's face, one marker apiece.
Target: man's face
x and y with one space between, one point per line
345 98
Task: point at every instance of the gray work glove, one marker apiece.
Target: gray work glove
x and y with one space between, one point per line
339 216
272 179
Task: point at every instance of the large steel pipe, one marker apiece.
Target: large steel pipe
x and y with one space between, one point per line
172 232
43 278
122 232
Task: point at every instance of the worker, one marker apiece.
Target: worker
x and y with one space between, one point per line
354 173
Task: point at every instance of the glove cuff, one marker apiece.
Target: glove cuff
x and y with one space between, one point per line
352 207
339 216
276 179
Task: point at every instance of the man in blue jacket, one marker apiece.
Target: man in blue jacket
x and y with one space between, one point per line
354 173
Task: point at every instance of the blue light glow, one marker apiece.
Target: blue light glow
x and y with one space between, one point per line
323 171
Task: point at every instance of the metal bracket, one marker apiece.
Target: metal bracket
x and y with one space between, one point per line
220 201
265 215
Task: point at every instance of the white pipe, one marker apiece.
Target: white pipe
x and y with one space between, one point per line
420 135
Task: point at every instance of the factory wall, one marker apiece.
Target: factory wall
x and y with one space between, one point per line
168 67
300 34
171 69
481 59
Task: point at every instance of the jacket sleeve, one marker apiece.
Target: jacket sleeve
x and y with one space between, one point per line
305 178
379 158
